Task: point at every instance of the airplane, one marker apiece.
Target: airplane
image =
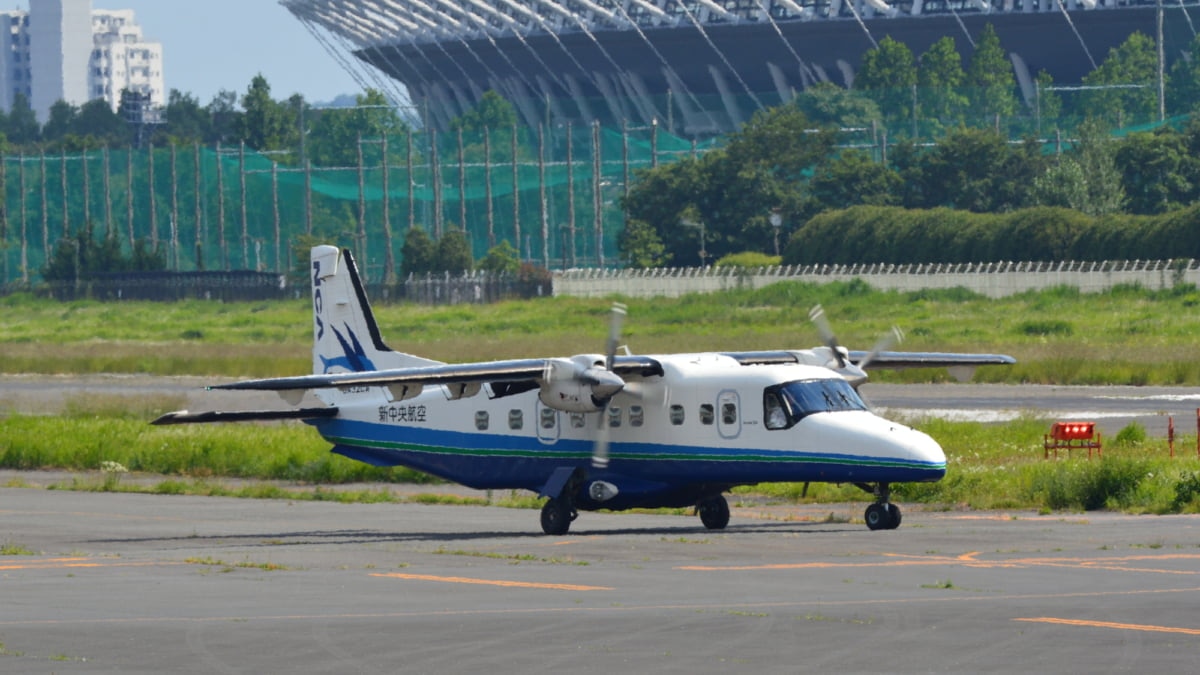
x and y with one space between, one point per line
603 430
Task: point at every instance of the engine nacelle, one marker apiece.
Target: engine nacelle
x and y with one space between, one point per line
573 387
569 396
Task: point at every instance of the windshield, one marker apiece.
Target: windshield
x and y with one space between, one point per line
806 397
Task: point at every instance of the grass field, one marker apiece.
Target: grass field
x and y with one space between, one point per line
1126 336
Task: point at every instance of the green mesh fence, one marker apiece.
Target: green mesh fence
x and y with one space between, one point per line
556 198
553 193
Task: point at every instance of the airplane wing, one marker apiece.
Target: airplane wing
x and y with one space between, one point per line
518 370
891 360
185 417
897 360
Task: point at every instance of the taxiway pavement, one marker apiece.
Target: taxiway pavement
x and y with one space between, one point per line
135 583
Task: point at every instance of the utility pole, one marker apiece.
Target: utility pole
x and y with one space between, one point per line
1162 89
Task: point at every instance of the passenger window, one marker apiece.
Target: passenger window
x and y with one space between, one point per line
578 420
636 416
549 418
728 413
515 419
706 413
677 414
614 417
481 420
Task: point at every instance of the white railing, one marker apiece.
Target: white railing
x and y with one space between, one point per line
995 279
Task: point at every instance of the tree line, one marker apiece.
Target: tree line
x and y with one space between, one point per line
791 161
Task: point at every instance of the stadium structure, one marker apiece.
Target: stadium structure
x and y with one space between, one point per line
698 66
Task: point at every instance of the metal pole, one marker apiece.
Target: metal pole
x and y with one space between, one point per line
389 260
221 212
66 216
45 214
516 183
597 195
242 188
198 224
487 185
362 199
153 213
542 194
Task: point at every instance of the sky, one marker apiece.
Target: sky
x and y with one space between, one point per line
210 45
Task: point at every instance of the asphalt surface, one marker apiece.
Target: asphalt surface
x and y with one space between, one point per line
122 583
1110 407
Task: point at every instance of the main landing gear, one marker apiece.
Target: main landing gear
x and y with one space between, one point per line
557 515
882 515
713 512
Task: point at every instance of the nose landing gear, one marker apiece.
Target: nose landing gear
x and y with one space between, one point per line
882 515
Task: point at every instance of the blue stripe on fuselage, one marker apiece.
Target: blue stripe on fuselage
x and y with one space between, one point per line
502 461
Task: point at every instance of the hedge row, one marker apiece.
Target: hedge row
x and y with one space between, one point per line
873 234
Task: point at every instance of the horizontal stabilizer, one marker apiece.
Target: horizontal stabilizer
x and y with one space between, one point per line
185 417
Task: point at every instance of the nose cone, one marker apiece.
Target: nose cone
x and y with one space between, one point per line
605 384
888 451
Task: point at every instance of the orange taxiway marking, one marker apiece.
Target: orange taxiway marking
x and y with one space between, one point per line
1112 564
492 582
1109 624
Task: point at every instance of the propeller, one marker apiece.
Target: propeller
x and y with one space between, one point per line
817 316
855 373
600 448
889 339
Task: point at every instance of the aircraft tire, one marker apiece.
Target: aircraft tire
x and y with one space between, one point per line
714 512
556 517
894 516
878 517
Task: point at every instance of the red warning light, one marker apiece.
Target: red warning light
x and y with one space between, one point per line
1070 436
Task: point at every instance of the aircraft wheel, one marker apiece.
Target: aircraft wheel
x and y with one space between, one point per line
894 515
878 517
714 512
556 517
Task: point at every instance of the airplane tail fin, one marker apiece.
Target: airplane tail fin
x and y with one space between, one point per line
345 335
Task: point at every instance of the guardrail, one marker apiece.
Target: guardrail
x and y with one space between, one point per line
995 279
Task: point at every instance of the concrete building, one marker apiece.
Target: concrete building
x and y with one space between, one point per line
699 66
65 50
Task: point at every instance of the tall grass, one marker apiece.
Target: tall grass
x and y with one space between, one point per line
988 466
1061 336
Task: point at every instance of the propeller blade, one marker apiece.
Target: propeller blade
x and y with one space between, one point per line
889 339
616 319
817 316
600 449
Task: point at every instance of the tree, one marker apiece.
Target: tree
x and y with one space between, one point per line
265 124
335 133
491 112
60 121
1128 71
971 169
990 81
186 121
417 255
887 75
1183 87
640 246
454 252
224 118
827 104
501 259
851 178
1049 105
1085 179
1154 172
83 256
97 120
23 127
940 78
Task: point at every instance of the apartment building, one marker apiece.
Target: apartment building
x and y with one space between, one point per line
65 50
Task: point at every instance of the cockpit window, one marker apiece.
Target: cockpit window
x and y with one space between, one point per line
786 404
